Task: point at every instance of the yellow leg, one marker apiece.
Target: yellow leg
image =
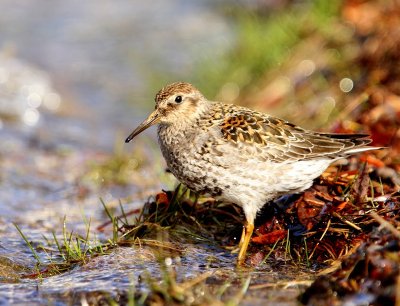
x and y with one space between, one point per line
244 242
242 237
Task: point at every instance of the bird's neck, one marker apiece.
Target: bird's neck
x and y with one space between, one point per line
171 133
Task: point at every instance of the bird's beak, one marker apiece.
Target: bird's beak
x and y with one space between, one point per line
153 118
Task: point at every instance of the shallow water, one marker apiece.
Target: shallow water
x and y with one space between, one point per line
73 83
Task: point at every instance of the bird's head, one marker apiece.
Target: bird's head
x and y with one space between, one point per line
176 103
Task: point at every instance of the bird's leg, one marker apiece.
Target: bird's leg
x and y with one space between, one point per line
243 236
244 242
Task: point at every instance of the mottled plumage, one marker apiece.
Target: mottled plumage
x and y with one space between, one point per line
240 155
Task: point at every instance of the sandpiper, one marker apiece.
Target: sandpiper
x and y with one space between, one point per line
240 155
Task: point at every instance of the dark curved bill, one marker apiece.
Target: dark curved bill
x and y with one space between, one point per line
151 120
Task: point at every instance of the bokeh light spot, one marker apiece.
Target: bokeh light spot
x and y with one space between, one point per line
34 100
346 84
52 101
31 116
307 67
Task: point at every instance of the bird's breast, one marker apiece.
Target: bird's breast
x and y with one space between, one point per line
183 155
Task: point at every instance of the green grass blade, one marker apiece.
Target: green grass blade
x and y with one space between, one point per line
34 253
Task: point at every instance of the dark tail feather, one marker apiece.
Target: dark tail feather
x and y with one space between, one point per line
345 136
358 140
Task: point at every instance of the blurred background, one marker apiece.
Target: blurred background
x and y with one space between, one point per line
77 76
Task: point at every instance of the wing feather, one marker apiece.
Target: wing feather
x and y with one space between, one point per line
272 139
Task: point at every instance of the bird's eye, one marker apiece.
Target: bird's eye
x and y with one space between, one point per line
178 99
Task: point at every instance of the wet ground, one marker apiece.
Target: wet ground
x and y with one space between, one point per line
75 77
